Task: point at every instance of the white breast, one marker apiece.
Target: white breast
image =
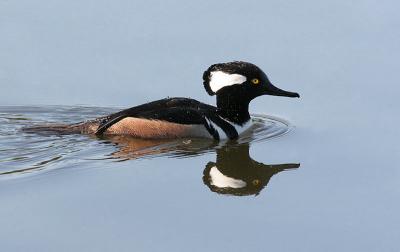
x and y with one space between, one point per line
243 129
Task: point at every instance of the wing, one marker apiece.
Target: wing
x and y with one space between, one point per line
177 110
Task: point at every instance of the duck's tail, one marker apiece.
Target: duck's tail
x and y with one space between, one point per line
61 129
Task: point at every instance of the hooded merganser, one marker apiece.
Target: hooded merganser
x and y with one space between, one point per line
235 84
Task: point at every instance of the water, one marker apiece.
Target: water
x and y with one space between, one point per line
278 184
156 170
25 153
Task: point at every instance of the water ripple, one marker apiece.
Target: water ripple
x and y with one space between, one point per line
23 154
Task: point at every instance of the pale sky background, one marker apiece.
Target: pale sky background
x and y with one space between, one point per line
122 53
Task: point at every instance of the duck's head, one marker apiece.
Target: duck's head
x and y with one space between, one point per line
242 78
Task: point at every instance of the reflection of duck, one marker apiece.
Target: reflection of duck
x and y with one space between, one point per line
236 173
133 148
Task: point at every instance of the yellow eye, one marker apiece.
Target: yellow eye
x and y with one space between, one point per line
255 81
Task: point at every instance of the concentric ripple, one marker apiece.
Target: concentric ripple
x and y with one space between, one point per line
23 154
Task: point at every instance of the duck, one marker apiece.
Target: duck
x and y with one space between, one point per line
235 84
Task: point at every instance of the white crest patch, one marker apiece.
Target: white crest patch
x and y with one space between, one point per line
219 79
220 180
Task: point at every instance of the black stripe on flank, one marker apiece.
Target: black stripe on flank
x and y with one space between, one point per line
210 128
104 125
229 130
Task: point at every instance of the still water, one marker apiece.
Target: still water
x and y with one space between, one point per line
250 194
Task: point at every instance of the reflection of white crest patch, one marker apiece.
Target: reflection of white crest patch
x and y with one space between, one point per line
219 79
220 180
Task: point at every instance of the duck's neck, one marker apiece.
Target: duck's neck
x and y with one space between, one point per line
233 107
